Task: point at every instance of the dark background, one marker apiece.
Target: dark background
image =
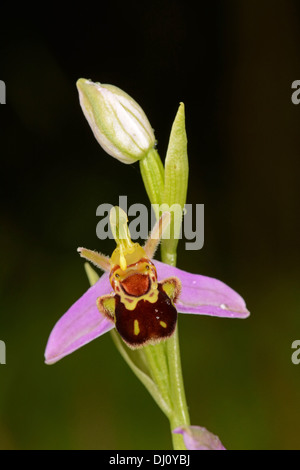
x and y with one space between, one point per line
232 63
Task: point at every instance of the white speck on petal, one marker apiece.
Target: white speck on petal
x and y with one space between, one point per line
224 306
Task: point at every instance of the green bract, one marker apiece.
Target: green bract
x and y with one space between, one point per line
176 182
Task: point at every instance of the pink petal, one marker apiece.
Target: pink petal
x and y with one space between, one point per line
80 324
198 438
204 295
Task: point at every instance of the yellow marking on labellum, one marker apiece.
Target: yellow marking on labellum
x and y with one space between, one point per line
136 327
130 303
163 324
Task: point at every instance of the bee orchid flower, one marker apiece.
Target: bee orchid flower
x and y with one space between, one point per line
147 295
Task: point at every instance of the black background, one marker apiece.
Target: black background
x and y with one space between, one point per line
232 63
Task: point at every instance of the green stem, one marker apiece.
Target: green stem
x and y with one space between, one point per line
158 366
168 257
180 414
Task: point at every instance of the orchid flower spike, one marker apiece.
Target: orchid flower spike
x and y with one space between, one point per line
138 296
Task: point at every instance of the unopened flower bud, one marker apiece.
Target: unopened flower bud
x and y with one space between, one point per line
117 121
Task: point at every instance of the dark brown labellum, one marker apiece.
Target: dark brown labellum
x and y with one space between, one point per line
147 322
